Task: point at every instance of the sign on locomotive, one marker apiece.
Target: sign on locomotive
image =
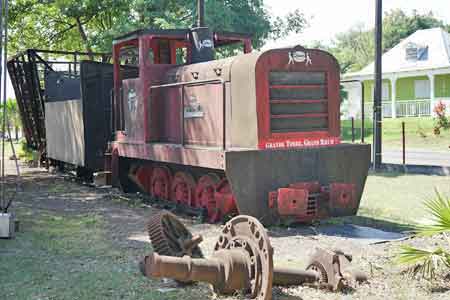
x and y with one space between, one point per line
255 134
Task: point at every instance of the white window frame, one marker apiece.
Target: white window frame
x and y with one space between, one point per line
422 89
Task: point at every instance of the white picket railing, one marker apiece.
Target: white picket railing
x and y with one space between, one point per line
415 108
410 108
386 112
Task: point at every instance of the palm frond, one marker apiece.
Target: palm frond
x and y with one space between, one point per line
423 262
439 208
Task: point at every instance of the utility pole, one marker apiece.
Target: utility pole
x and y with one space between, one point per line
377 105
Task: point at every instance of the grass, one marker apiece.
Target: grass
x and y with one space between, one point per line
61 257
399 197
58 256
419 133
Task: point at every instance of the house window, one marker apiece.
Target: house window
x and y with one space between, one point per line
422 89
422 53
411 52
414 52
384 92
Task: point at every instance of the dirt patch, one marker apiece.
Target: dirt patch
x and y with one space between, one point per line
124 219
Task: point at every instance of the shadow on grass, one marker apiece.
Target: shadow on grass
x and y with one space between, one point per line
279 294
440 289
340 224
380 224
386 174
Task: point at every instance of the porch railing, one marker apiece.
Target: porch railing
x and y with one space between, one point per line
414 108
386 110
409 108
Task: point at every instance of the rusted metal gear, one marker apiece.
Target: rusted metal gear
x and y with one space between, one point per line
320 270
242 261
248 234
171 238
335 269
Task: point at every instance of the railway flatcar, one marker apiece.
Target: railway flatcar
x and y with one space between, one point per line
65 105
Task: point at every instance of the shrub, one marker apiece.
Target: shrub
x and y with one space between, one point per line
442 121
25 153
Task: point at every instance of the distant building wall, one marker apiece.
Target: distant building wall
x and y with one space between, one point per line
352 106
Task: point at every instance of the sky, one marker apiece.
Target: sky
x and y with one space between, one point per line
330 17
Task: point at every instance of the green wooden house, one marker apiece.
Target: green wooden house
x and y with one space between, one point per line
416 76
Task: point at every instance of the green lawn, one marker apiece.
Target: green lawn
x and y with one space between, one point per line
399 198
73 256
70 257
419 133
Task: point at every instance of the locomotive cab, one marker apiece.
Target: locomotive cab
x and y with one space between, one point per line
142 59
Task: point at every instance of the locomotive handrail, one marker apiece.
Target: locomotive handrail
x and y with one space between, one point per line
196 83
188 83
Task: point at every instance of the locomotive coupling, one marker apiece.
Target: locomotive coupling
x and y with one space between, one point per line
243 261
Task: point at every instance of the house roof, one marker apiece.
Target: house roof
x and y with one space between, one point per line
433 47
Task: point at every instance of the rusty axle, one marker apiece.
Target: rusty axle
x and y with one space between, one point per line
227 270
290 276
220 269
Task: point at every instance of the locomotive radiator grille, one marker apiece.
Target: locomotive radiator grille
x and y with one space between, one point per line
298 101
311 209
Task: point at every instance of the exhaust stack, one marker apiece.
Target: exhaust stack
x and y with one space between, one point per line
200 13
201 37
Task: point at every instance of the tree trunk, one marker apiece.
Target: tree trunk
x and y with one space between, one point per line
84 38
16 129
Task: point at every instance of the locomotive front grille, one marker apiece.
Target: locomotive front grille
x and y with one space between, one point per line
298 101
311 209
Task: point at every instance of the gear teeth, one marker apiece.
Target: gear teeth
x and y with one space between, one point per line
161 242
317 266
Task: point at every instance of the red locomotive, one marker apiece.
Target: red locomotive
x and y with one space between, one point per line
255 134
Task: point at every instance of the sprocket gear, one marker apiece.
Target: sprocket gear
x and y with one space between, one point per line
170 237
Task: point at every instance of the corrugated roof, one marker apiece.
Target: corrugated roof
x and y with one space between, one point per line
434 41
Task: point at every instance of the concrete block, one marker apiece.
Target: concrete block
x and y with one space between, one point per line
7 225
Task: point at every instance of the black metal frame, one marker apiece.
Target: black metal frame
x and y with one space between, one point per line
27 70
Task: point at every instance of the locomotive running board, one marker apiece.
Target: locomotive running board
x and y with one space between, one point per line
253 174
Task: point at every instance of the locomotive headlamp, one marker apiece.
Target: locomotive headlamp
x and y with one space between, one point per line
298 56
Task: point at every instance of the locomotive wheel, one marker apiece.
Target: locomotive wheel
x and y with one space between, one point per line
225 201
141 176
205 195
183 189
127 184
160 183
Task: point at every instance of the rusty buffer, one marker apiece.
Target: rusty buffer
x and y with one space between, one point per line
243 261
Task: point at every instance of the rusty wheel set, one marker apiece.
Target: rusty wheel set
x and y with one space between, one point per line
209 192
242 259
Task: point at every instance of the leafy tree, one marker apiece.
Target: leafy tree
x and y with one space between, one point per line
356 48
12 116
92 24
397 25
